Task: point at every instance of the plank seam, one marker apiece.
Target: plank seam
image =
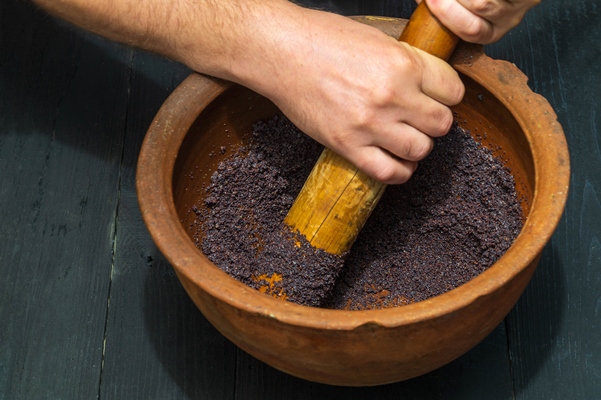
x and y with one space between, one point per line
115 224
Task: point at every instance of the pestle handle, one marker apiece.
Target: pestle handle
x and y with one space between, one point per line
337 198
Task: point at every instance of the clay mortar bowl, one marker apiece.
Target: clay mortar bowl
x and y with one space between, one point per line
355 348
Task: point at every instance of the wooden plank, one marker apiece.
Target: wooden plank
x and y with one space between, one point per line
158 345
555 330
60 151
60 148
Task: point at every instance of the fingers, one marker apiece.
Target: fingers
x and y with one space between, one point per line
401 133
439 80
440 87
382 166
464 23
376 102
501 13
391 153
405 142
480 21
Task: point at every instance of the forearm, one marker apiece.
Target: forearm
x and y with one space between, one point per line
210 36
363 94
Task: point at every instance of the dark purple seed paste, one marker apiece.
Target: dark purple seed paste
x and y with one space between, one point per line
455 217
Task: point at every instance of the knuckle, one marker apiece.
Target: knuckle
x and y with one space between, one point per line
421 150
363 120
382 96
474 30
457 92
339 140
416 149
443 121
384 175
446 121
482 7
406 173
380 171
410 60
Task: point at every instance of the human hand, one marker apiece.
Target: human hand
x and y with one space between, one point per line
480 21
371 99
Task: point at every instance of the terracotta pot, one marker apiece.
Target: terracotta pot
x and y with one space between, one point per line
353 348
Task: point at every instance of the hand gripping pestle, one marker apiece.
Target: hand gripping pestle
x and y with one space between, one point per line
337 199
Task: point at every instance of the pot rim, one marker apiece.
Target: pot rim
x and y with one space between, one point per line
155 195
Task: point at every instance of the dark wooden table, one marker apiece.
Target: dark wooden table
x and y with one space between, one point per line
89 308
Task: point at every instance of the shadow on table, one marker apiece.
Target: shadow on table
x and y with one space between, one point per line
197 360
534 323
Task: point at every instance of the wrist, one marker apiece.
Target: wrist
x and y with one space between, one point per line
251 44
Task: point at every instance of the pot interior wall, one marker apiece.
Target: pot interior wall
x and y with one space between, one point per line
495 127
220 129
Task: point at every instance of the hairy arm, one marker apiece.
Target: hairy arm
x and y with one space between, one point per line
373 100
207 35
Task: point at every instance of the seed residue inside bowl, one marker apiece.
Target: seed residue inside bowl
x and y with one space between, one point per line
454 218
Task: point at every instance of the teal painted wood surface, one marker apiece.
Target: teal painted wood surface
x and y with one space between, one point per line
90 309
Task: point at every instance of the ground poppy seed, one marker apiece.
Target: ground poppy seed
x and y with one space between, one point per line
454 218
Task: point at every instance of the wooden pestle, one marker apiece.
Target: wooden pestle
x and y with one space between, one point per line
337 198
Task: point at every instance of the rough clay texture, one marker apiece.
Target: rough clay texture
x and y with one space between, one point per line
455 217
